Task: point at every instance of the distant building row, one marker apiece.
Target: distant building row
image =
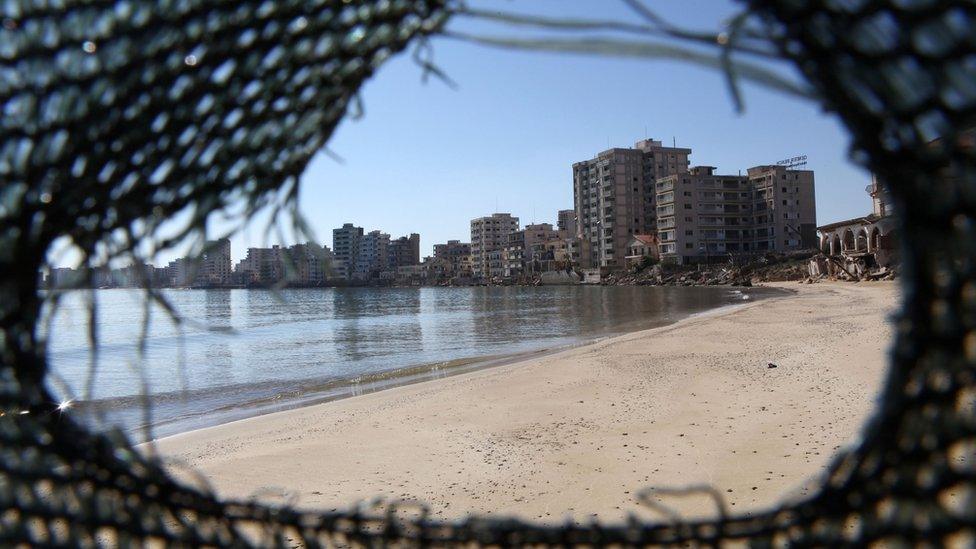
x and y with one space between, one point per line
365 256
694 214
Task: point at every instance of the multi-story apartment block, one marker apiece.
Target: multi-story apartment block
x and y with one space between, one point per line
310 264
405 251
785 208
373 255
261 267
615 197
489 234
215 265
515 254
454 252
495 267
702 216
302 264
345 249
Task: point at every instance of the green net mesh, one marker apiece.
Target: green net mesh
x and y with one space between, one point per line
119 114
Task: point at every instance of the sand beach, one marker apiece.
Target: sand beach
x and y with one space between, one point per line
584 432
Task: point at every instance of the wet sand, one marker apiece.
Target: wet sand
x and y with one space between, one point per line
582 432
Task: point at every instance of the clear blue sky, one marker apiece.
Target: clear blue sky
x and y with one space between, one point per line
427 159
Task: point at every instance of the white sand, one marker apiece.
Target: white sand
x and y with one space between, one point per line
581 432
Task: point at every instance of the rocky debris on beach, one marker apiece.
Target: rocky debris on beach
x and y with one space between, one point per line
771 267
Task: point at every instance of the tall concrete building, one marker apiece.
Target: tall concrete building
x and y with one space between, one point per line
785 208
489 234
703 216
373 255
405 251
614 196
215 264
345 249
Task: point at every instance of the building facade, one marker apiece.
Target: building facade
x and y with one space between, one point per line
785 208
260 267
308 264
215 266
373 255
345 249
405 251
614 198
515 254
566 223
641 248
454 252
703 216
863 242
490 234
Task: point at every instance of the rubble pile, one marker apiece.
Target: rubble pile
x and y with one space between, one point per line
770 267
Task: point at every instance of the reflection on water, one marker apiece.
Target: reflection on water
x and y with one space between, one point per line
267 347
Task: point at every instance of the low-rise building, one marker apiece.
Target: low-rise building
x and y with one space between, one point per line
863 242
456 253
642 247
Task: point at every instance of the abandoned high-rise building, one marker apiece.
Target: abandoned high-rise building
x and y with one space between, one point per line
345 249
215 264
614 196
703 216
489 234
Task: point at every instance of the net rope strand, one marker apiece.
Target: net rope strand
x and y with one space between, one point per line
119 113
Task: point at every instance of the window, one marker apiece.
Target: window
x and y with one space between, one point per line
689 233
784 202
687 206
784 189
784 216
687 219
689 245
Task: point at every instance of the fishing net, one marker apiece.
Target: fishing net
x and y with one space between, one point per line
118 115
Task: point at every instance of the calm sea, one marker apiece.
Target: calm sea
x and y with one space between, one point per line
246 352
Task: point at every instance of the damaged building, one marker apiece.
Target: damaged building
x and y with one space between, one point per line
857 247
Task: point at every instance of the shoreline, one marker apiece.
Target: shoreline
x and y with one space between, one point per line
175 412
581 431
342 389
